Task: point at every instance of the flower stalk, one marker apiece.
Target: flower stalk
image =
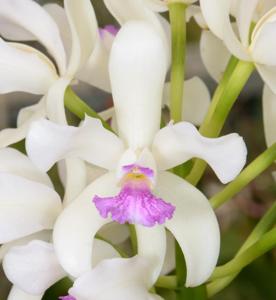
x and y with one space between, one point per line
178 30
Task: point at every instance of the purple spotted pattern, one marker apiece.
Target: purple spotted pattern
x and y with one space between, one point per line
135 204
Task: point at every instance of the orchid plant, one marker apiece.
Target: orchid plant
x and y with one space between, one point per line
132 222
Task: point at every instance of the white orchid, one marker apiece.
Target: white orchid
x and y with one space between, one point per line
136 162
255 46
34 267
26 69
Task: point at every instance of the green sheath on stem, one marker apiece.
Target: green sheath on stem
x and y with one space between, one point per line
178 30
235 77
79 108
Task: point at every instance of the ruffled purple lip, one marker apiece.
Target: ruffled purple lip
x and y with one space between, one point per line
135 204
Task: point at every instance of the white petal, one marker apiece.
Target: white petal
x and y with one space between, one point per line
214 54
217 16
17 294
215 13
194 11
194 226
175 144
156 5
25 117
130 10
152 245
196 100
84 33
55 101
77 225
115 279
268 74
16 163
44 235
90 142
26 209
33 267
137 72
245 12
263 44
40 25
269 115
169 262
95 71
76 179
23 68
58 14
27 112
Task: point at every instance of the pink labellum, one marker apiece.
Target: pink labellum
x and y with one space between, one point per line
135 204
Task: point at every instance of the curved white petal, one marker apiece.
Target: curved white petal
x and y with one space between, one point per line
169 262
95 70
137 72
83 25
268 74
77 225
196 100
215 14
175 144
214 54
194 226
90 142
23 68
131 10
26 209
16 163
17 294
30 16
263 44
156 5
25 117
44 235
115 279
33 267
55 101
102 250
245 12
59 16
152 245
76 179
194 11
269 115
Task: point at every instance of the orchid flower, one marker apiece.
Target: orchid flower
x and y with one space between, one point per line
26 69
34 267
136 161
257 47
195 107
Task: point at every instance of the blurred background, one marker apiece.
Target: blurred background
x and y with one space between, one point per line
238 217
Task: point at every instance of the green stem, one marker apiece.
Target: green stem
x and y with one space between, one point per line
167 282
255 168
222 102
267 221
178 31
265 244
79 108
133 238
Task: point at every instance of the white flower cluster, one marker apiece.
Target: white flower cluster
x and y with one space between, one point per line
45 238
